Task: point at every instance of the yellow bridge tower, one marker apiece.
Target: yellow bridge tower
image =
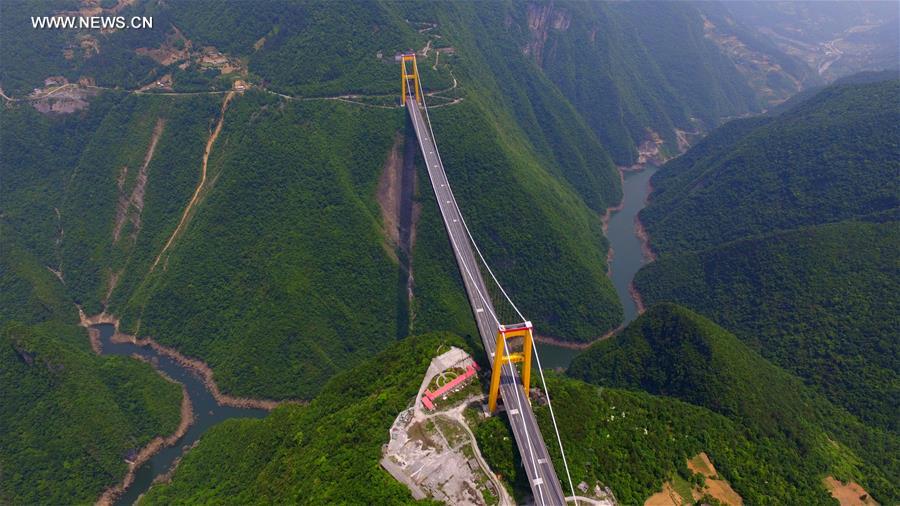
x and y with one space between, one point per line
502 356
407 76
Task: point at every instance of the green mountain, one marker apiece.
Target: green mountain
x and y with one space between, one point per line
820 302
280 275
323 453
783 230
830 158
70 417
674 352
629 441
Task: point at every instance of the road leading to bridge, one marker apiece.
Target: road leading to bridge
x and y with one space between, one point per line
538 466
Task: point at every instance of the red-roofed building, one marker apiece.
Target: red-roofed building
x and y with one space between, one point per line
470 371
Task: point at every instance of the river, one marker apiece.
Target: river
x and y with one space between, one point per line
627 257
207 412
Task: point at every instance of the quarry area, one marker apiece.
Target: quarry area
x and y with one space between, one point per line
432 450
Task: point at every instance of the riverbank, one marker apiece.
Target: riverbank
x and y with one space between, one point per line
195 372
604 220
110 495
646 251
636 297
573 345
198 366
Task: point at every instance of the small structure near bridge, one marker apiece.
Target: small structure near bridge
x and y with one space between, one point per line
453 381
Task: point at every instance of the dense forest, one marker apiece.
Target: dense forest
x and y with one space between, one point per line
674 352
783 229
830 157
820 302
69 417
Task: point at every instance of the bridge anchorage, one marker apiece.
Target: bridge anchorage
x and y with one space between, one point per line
490 304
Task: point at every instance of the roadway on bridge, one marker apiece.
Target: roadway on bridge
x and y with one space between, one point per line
535 458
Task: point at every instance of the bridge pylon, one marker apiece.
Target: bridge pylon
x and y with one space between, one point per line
408 75
503 356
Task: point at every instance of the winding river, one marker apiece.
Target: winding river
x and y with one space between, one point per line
207 411
627 256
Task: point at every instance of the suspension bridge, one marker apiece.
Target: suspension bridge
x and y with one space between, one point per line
488 299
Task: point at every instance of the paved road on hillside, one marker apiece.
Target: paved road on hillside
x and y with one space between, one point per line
538 466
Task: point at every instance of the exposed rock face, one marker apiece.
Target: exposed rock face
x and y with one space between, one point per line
541 18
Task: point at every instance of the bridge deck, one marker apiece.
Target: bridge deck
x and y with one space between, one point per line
538 466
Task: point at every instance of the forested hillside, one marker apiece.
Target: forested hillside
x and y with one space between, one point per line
674 352
324 453
821 302
832 157
273 460
69 417
783 229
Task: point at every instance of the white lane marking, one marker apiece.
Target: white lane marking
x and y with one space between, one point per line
518 398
